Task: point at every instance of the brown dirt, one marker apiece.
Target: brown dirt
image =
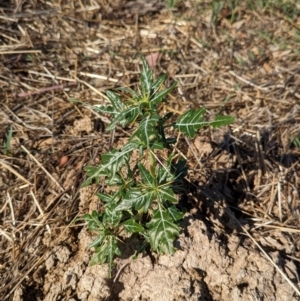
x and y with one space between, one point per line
240 237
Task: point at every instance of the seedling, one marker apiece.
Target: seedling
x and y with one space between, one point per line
144 175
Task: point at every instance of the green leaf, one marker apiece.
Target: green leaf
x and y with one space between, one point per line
105 243
146 79
137 198
93 220
175 213
164 174
162 232
156 85
105 198
132 226
148 180
128 202
125 117
146 134
112 163
179 169
106 252
111 217
97 242
157 145
117 106
161 132
92 172
165 193
144 194
222 120
115 180
158 97
121 112
115 100
106 110
190 122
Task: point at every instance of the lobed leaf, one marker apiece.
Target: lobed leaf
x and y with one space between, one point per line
117 159
115 100
165 193
93 220
179 169
190 122
125 117
146 176
97 242
106 198
164 175
111 217
162 231
111 163
132 226
175 213
222 120
137 198
106 252
159 96
146 134
93 174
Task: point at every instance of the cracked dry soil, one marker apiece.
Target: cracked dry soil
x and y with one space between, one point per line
209 265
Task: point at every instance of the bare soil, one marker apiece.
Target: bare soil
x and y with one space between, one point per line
240 233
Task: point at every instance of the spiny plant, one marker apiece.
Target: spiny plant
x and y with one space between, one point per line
144 175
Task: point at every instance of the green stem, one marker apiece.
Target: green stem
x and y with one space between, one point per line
152 164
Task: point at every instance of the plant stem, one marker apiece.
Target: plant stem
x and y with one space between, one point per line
152 164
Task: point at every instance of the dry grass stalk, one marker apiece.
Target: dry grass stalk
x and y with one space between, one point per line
43 168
